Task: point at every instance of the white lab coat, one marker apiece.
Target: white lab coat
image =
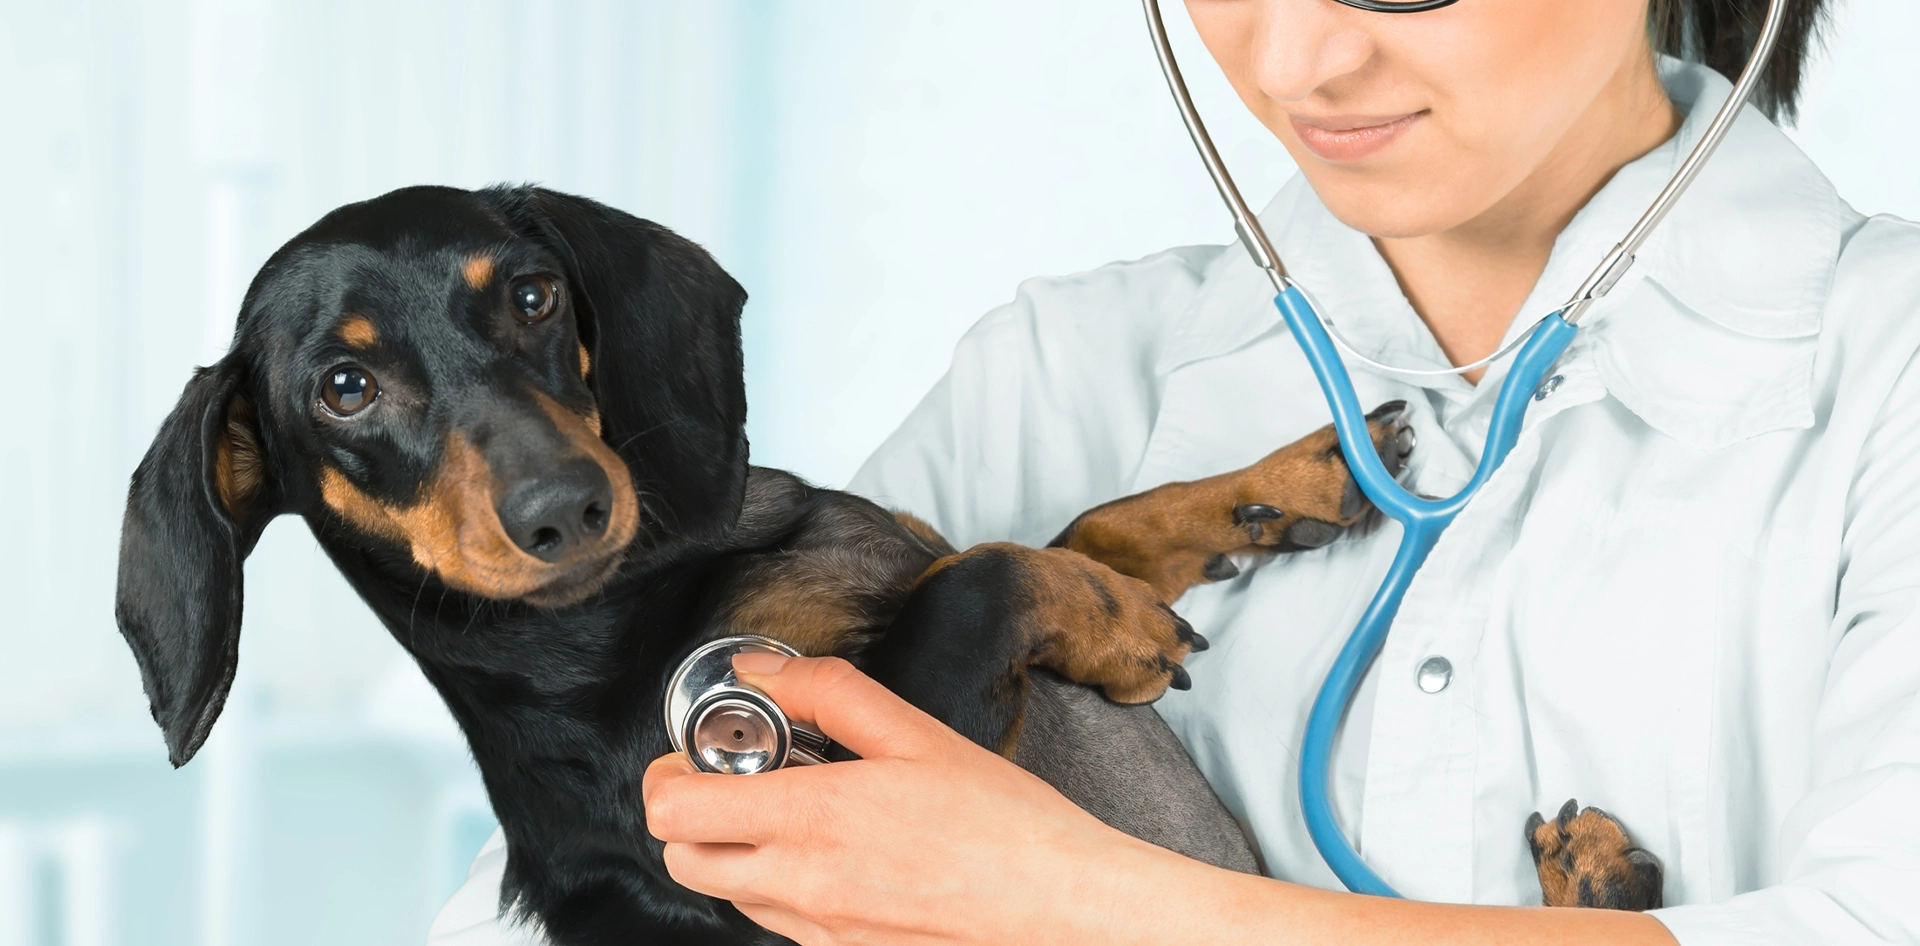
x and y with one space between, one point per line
1687 598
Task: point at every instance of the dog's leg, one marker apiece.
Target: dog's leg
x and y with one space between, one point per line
1586 859
1179 535
961 645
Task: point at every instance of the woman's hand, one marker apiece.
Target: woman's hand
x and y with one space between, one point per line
931 839
927 838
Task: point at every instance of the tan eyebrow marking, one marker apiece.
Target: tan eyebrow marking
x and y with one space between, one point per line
477 270
358 332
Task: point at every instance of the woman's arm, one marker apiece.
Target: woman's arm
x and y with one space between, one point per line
931 839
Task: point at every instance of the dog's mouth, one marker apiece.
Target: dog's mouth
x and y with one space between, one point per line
455 532
577 585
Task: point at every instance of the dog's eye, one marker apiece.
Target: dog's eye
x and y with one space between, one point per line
533 298
348 390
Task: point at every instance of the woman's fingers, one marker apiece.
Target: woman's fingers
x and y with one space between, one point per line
728 871
845 704
684 805
785 922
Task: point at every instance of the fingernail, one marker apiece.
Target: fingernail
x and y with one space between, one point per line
759 663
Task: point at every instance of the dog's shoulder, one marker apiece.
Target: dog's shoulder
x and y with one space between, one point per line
821 569
783 512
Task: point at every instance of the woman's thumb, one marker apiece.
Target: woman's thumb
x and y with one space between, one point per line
846 705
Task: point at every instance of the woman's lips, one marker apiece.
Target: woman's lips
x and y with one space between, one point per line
1350 138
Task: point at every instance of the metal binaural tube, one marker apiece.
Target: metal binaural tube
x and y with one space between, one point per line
1252 236
1618 260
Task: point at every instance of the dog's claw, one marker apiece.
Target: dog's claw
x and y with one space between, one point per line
1255 512
1181 681
1397 445
1188 635
1220 568
1388 413
1534 824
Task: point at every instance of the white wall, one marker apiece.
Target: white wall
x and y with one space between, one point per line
878 173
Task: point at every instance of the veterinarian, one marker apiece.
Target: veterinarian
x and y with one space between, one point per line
1688 597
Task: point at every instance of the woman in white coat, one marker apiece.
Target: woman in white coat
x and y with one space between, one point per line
1688 597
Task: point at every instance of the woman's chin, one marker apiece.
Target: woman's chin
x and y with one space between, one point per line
1395 207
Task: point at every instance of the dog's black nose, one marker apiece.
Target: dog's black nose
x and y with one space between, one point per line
554 513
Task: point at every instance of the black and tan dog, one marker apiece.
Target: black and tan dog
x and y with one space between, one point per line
514 419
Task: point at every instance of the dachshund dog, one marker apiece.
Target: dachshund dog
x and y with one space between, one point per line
514 419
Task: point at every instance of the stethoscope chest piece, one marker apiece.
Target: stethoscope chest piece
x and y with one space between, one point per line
727 727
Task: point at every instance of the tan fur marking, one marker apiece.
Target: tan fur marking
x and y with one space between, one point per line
806 606
1557 887
1598 846
1090 623
358 332
586 362
1584 861
453 531
239 464
477 271
1101 627
580 428
1166 536
927 533
1010 746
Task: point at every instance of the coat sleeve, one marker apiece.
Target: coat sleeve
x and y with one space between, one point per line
1850 848
1046 408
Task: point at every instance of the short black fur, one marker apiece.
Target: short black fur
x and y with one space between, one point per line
560 704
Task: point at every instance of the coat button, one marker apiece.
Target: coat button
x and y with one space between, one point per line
1547 387
1435 673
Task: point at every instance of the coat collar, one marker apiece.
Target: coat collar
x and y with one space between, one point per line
1711 336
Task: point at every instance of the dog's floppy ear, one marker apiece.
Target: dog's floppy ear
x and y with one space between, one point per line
198 503
662 321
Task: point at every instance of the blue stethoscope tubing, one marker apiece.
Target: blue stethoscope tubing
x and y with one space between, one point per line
1422 520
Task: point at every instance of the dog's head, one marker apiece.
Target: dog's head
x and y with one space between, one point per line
501 389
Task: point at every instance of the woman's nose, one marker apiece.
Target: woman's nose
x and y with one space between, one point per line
1301 45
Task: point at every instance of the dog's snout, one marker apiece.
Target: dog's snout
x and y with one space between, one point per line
553 513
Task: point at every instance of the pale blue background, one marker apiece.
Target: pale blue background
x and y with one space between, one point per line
877 173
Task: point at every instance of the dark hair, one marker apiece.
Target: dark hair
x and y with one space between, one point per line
1720 33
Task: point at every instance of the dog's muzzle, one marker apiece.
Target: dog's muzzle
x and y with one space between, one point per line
727 727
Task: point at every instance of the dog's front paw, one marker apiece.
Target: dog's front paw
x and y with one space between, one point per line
1586 859
1100 628
1301 496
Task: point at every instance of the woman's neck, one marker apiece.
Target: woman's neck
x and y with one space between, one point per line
1468 283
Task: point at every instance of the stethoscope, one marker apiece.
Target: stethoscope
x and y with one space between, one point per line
726 726
1421 519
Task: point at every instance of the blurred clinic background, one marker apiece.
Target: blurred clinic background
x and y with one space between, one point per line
878 173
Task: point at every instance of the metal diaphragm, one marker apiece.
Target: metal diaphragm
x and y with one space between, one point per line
727 727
